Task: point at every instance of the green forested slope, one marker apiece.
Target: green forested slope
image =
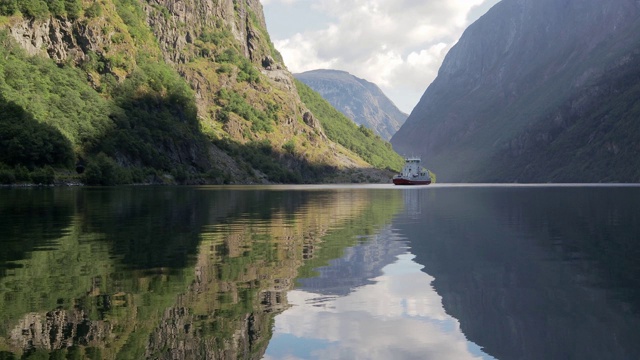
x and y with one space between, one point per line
126 91
342 130
137 120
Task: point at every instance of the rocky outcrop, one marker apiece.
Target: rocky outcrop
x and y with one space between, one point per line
205 69
358 99
504 94
177 24
310 120
60 39
59 329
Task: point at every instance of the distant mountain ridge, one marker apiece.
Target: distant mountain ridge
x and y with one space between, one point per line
536 91
360 100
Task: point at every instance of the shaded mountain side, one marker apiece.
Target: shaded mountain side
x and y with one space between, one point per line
593 137
162 91
359 265
534 92
358 99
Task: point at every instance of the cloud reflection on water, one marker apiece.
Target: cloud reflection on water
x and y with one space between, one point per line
399 316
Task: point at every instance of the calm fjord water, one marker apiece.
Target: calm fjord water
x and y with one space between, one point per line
332 272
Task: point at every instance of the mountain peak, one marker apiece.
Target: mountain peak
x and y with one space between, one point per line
360 100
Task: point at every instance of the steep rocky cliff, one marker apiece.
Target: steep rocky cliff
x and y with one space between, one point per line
193 90
535 91
359 99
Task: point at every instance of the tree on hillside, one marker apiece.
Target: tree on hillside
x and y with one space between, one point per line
25 141
8 7
34 8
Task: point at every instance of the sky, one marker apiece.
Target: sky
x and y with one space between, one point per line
397 44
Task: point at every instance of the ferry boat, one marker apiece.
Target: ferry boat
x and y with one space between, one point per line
413 174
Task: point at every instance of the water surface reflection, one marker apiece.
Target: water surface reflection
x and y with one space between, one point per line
536 272
164 273
433 272
394 315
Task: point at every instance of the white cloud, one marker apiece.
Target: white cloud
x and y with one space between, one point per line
397 44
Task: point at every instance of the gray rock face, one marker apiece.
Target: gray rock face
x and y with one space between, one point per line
360 100
59 39
517 83
190 17
59 329
62 39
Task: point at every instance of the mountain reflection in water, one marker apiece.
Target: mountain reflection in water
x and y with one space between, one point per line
524 272
395 314
548 272
438 272
164 273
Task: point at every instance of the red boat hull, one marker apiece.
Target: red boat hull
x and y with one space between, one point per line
411 182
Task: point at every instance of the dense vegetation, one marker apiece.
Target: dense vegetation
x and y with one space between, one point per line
120 113
33 89
54 118
41 9
359 139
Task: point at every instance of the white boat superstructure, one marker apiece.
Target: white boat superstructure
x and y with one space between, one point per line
413 173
